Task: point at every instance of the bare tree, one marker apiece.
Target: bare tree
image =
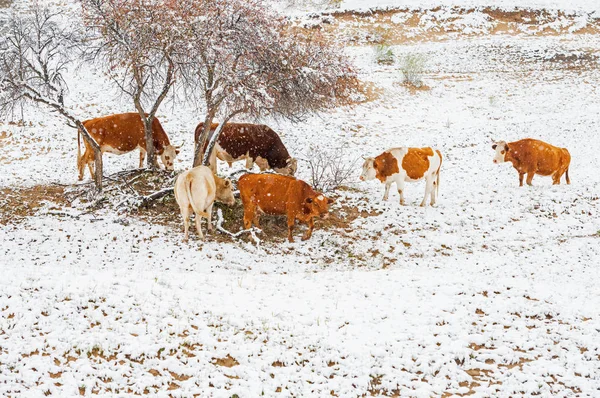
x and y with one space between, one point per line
35 51
135 41
247 60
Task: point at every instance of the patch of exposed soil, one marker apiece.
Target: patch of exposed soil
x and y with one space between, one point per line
400 26
17 204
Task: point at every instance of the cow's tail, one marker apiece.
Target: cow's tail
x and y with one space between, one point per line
437 182
567 176
189 180
78 149
568 165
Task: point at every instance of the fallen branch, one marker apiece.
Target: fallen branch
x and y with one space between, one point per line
156 195
252 231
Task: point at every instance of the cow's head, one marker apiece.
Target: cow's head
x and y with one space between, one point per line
501 148
317 206
291 166
224 192
369 170
168 156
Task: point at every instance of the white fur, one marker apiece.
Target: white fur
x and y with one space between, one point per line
195 191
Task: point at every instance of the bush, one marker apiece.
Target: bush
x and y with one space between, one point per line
412 67
329 169
383 54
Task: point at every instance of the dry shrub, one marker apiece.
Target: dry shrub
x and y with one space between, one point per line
329 169
412 67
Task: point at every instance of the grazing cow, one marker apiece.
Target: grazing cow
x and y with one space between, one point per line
256 143
124 133
533 157
401 165
275 194
196 191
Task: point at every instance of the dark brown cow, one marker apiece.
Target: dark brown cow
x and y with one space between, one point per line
276 194
124 133
256 143
533 157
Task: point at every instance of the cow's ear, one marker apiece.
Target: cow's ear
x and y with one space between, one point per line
177 151
330 201
506 147
494 147
227 183
309 200
375 164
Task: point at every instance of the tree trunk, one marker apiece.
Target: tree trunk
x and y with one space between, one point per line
151 161
201 142
211 144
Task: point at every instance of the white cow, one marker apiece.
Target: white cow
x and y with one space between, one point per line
196 191
400 165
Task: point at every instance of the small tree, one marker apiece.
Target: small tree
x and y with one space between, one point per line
247 60
135 41
34 54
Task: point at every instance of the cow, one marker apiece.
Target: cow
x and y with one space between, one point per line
531 157
196 191
257 143
275 194
402 165
120 134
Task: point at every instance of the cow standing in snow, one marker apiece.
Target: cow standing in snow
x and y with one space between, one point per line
196 191
256 143
531 157
124 133
400 165
275 194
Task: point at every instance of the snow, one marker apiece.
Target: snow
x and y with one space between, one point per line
495 280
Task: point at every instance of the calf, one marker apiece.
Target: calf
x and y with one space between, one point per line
402 165
256 143
124 133
533 157
196 191
275 194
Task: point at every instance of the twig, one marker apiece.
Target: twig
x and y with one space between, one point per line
252 231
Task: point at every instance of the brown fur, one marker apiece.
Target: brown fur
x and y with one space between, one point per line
275 194
416 162
385 165
531 157
123 132
255 140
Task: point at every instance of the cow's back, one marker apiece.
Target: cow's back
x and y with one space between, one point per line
536 156
125 132
272 193
255 140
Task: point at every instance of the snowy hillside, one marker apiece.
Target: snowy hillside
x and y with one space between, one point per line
493 292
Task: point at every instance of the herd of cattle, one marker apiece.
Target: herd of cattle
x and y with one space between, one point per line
197 189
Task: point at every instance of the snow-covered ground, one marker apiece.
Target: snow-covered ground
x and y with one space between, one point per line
494 291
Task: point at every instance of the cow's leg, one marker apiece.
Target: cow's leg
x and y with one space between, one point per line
311 225
521 175
185 215
142 157
428 190
199 226
530 178
291 220
433 189
556 178
400 187
209 212
249 162
255 220
249 215
386 194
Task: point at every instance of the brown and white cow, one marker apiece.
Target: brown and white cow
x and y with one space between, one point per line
276 194
400 165
124 133
196 191
531 157
256 143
